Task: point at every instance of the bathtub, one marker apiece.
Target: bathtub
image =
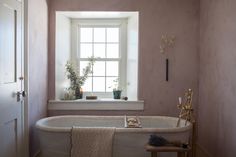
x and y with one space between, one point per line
55 133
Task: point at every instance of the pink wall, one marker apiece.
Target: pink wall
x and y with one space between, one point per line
157 17
38 51
217 89
217 85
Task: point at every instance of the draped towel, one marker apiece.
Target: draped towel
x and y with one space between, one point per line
92 141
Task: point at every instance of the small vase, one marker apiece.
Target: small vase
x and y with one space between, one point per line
69 94
78 93
117 94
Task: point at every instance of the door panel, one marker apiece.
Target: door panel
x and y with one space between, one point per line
10 133
11 55
8 44
10 138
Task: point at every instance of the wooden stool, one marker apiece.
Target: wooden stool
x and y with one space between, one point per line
181 152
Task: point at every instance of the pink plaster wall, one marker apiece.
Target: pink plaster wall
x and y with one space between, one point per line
217 88
157 17
38 63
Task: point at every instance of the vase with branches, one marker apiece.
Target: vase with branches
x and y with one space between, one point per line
77 81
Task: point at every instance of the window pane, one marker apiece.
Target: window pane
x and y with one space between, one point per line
87 87
85 50
99 84
112 50
99 68
83 64
99 50
112 34
112 68
86 34
99 34
110 84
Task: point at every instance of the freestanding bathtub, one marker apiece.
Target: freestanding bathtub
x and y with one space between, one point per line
55 133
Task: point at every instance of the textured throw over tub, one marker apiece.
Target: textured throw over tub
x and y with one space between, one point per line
92 142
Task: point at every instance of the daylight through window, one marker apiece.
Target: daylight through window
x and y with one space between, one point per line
104 42
111 38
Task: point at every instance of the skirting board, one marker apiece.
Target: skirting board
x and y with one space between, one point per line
37 154
201 152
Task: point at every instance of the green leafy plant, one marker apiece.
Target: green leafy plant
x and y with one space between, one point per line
116 89
77 81
116 86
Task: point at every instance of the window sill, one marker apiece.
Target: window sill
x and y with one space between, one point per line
101 104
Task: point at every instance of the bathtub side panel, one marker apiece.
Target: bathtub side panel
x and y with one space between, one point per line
54 144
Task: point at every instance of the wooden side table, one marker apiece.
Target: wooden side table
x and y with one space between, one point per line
181 152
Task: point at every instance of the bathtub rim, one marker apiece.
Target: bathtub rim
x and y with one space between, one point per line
42 127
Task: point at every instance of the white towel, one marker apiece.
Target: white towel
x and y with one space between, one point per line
92 142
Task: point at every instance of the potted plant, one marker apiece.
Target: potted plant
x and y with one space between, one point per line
117 89
77 81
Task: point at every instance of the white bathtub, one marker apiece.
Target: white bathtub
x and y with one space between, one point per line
55 133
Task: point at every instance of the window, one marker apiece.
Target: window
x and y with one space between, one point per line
103 39
111 37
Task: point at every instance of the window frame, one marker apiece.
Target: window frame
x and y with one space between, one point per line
76 24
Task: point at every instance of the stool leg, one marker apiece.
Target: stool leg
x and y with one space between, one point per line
154 154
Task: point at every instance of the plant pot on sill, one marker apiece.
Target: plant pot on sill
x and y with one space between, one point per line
78 93
117 94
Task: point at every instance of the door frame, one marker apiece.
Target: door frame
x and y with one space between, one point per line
25 113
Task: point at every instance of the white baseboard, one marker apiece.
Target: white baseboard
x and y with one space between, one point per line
202 152
37 154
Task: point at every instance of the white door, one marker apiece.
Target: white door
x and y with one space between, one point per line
11 55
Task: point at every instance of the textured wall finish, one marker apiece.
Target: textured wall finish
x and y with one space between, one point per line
157 17
38 34
217 89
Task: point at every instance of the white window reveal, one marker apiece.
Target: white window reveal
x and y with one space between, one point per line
106 41
112 38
